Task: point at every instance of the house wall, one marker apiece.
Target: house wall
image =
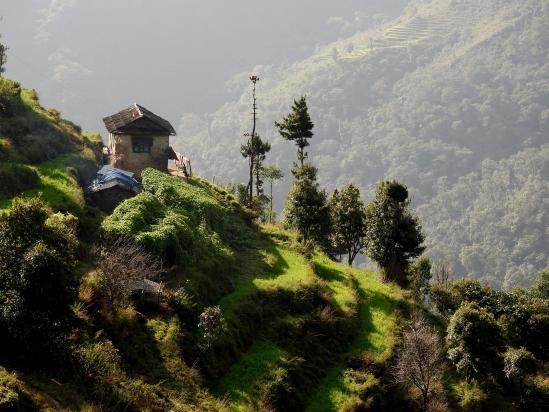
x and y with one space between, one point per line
123 157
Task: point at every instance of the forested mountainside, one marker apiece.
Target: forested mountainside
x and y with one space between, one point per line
451 98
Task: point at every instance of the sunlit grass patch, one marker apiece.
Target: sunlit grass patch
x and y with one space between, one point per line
340 281
376 337
243 377
281 268
58 186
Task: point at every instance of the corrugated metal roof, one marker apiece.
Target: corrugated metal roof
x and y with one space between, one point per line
121 122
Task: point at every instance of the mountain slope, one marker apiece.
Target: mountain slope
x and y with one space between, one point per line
42 153
431 98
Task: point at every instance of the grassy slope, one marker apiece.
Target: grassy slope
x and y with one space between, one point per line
378 319
266 271
55 148
350 290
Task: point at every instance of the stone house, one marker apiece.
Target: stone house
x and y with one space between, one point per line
138 139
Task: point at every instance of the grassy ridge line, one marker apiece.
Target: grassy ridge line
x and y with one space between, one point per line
378 320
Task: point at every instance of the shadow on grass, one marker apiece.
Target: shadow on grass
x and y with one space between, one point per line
254 266
375 336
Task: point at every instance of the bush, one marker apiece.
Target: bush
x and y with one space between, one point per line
98 359
472 398
443 300
10 97
9 387
518 363
211 325
16 178
40 248
474 340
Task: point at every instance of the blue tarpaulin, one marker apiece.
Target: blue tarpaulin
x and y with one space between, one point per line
110 176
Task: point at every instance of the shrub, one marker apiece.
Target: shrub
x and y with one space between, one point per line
184 303
10 97
211 325
518 363
16 178
98 359
474 340
40 248
443 300
472 398
9 387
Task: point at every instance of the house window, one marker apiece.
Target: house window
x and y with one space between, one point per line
142 144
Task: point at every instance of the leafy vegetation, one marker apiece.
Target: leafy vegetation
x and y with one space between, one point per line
450 99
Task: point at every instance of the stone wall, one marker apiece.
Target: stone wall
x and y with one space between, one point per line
123 156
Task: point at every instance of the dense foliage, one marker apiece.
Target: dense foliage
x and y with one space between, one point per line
297 127
451 99
37 282
348 222
474 341
393 234
172 219
307 208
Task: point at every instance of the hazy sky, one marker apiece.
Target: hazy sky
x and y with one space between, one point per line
91 58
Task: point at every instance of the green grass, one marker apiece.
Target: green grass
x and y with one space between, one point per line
58 186
281 269
378 319
341 283
244 376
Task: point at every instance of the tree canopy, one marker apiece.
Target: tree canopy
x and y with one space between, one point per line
297 127
37 284
307 208
393 234
348 222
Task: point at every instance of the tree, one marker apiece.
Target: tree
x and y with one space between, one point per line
262 149
420 276
474 340
517 365
3 58
540 287
441 273
307 208
121 263
254 149
297 127
271 173
393 234
348 222
420 362
37 283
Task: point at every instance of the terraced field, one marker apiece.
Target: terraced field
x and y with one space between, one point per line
402 33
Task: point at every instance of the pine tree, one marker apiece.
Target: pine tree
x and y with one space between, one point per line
297 127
